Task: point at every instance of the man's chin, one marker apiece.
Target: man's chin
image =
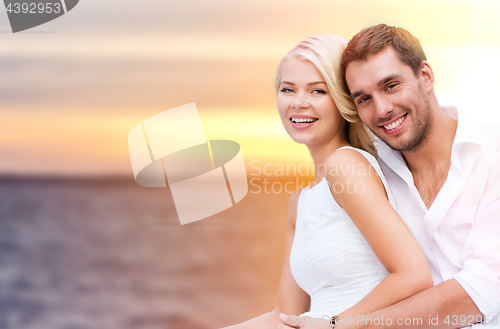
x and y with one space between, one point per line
393 147
394 143
401 145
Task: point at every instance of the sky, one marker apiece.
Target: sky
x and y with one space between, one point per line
72 89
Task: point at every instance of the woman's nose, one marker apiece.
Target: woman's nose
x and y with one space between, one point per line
300 101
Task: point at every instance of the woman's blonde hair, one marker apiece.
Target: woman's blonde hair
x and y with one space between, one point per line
325 51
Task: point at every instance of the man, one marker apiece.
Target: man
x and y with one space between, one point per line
445 175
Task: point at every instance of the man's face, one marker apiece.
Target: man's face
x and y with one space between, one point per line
391 100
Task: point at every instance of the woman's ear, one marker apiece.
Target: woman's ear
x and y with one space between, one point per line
426 76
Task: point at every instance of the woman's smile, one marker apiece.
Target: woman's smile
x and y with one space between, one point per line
302 121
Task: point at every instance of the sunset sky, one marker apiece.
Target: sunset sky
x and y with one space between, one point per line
72 89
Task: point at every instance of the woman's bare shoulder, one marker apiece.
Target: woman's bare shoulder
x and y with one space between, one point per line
348 163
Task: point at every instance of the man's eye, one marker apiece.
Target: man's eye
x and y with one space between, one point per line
363 99
286 90
392 85
319 91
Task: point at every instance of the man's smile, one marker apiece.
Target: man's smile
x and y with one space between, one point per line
394 126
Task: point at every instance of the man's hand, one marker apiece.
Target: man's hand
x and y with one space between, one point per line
303 322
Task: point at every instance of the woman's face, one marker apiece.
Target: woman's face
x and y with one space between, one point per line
305 106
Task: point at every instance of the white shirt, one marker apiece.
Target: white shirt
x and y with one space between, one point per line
460 232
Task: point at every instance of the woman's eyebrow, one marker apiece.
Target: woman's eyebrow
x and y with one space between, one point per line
315 83
309 84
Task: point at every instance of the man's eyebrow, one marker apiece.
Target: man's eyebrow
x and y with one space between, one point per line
381 83
387 79
356 94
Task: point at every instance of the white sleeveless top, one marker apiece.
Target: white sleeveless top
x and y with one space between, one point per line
330 259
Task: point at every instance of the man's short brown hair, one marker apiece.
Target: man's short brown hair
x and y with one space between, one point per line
375 38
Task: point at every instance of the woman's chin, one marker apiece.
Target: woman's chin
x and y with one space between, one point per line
304 140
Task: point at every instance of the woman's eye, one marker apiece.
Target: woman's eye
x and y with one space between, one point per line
286 90
319 91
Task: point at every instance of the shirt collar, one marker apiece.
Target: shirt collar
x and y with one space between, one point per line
467 131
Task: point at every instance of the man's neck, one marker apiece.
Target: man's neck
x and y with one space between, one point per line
430 162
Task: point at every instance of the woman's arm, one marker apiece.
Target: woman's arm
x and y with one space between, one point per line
387 234
291 298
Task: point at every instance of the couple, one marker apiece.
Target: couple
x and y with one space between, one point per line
351 260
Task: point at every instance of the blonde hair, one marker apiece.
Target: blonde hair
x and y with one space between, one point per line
324 51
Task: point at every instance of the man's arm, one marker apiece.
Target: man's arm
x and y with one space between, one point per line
446 301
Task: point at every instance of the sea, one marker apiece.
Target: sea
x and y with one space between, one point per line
103 252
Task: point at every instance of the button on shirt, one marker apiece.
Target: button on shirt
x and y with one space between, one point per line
460 232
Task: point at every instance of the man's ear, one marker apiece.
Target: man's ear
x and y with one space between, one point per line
426 76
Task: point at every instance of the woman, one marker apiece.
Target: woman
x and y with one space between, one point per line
347 251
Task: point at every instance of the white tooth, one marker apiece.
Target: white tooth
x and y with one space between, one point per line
394 124
303 120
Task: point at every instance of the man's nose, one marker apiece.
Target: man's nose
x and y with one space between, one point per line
300 101
383 106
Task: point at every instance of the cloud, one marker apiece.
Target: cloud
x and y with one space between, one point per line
96 84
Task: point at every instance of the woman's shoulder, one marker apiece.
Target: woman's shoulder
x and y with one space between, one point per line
349 167
352 151
350 161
